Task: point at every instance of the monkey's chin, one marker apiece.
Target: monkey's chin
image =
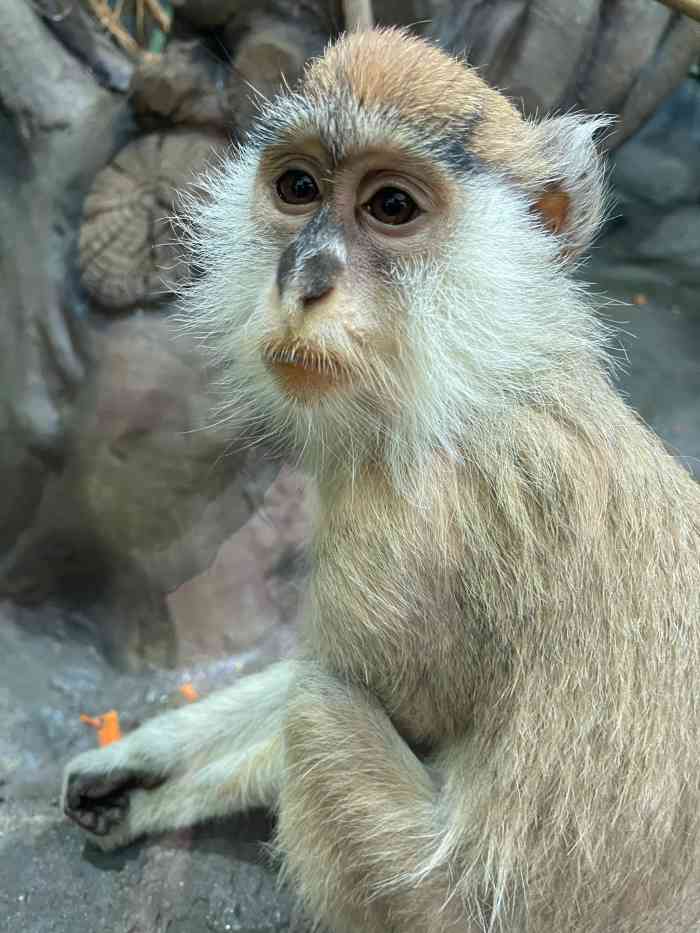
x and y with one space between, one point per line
307 384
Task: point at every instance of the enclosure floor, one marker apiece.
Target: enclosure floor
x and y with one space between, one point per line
216 879
51 881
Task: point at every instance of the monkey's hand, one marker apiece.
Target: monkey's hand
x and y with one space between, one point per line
218 756
102 792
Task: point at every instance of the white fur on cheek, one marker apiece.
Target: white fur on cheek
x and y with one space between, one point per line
491 323
227 308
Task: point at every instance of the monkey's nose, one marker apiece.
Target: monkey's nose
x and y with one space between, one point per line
317 277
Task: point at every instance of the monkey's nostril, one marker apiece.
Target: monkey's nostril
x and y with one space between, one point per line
312 295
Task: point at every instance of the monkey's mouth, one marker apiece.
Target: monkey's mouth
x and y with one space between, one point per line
304 370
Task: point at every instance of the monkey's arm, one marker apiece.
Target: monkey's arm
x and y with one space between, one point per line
360 818
221 755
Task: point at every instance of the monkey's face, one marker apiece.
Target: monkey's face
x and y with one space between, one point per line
383 261
334 316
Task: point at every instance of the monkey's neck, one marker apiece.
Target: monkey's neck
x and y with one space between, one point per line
525 445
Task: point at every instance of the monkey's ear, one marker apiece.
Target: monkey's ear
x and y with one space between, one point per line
571 201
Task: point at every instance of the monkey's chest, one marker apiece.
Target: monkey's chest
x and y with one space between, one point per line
393 623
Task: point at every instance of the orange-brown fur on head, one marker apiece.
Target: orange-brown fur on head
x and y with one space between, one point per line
390 68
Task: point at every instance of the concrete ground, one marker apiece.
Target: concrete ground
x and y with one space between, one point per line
217 879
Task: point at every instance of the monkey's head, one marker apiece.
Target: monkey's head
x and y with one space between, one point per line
384 263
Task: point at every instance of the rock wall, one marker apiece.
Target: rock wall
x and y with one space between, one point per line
113 493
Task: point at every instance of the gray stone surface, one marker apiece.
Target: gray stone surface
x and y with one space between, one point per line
676 237
660 165
622 58
144 497
658 351
211 880
187 883
660 174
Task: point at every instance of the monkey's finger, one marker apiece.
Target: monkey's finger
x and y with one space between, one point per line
92 786
81 787
86 819
108 819
99 818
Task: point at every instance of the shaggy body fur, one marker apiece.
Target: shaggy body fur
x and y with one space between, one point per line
493 723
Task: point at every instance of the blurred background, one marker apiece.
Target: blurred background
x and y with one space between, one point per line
147 558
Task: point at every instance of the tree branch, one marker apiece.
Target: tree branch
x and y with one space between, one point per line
690 8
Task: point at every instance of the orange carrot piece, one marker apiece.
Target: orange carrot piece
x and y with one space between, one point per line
107 725
111 730
189 692
93 721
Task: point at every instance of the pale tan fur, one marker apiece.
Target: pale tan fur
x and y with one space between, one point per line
493 722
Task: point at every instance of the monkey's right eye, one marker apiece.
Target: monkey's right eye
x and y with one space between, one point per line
297 187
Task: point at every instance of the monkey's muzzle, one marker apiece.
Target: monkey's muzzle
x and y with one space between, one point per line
304 371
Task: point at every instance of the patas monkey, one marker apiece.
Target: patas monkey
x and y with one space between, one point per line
493 720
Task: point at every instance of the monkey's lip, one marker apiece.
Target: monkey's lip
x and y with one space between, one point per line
303 369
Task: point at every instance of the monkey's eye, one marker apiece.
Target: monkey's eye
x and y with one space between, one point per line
392 206
297 187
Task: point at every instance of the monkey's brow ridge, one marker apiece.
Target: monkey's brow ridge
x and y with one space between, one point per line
343 124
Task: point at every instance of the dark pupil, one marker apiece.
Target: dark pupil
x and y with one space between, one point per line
392 206
297 187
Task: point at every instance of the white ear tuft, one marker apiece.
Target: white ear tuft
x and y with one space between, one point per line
572 202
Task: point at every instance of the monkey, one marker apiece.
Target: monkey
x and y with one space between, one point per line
492 719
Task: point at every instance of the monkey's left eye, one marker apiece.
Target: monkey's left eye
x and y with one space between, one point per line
297 187
392 206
